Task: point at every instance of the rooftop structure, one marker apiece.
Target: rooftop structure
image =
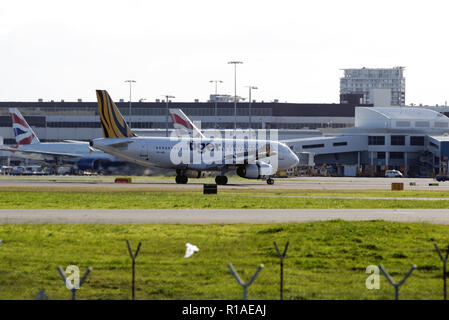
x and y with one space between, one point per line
401 118
365 81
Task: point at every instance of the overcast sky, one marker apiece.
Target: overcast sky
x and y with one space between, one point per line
291 50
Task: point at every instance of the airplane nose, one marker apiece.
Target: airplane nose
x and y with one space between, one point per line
294 158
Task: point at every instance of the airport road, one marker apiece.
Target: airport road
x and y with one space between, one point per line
152 184
206 216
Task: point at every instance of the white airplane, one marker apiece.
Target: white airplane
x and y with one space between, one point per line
190 156
76 153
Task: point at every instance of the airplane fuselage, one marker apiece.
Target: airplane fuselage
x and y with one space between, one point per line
197 153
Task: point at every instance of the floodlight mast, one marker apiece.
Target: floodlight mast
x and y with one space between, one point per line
235 63
129 112
249 111
166 113
215 99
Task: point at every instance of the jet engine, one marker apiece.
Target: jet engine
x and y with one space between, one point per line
88 164
255 171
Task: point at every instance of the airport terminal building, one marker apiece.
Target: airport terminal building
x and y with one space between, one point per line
412 140
56 121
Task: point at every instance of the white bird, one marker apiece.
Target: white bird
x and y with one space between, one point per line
190 250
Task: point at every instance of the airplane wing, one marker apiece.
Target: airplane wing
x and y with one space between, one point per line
42 153
76 141
118 145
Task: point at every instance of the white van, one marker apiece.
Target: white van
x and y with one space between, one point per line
393 174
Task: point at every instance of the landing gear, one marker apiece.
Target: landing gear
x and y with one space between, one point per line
181 179
270 181
222 180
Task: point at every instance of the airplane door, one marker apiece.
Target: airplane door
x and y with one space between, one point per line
143 151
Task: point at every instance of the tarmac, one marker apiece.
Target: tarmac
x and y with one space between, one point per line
167 183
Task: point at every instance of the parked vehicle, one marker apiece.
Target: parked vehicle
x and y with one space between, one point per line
31 170
393 174
17 171
441 178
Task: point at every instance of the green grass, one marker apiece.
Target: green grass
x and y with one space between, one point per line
179 200
349 193
325 260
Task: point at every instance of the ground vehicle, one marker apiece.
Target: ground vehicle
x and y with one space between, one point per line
31 171
393 174
17 171
441 178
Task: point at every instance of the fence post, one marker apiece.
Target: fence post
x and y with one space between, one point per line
444 268
64 278
133 258
41 295
282 257
239 280
396 285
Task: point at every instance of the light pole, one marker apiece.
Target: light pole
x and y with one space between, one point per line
166 113
129 112
216 85
235 63
249 111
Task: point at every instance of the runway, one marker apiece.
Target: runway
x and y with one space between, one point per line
106 183
207 216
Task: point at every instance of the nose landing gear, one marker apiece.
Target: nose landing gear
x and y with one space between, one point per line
270 181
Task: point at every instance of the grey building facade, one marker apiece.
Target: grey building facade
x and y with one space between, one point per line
366 80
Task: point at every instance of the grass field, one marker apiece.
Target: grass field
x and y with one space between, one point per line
325 260
179 200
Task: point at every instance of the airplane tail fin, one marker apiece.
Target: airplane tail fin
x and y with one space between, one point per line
112 121
183 124
22 130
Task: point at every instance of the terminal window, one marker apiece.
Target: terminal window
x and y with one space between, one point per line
416 141
422 124
397 140
376 140
339 144
403 124
396 155
311 146
441 124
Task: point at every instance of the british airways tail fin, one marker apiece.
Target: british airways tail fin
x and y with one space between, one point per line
112 121
22 130
183 125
